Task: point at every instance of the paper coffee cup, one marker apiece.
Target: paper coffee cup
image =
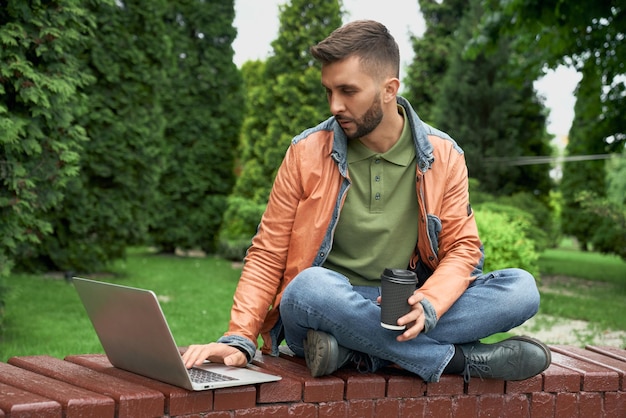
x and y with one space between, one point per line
396 286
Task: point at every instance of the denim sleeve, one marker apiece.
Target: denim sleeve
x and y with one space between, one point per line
430 316
241 343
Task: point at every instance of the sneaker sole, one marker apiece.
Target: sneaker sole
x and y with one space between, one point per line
319 351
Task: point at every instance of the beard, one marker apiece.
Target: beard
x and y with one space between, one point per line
366 123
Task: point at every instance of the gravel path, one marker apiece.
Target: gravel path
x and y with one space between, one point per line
556 330
553 330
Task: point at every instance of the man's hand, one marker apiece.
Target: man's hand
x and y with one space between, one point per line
414 320
214 352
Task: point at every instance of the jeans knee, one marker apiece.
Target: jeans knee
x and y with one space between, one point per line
528 281
526 289
313 286
307 284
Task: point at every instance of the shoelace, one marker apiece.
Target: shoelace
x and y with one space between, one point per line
362 362
478 367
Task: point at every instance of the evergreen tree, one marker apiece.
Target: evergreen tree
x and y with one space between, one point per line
204 113
40 139
491 108
585 138
289 101
432 53
111 204
243 211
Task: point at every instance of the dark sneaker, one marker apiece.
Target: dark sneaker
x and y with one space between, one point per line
516 358
322 353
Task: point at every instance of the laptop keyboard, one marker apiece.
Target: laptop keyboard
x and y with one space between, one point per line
206 376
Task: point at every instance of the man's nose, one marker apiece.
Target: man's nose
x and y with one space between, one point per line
336 105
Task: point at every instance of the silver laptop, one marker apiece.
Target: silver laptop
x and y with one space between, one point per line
135 336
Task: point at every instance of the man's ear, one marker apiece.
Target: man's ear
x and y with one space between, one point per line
392 85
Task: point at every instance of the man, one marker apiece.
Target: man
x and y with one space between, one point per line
374 187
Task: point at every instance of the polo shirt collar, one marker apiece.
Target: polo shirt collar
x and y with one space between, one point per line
402 153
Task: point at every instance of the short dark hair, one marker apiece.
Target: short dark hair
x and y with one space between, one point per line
367 39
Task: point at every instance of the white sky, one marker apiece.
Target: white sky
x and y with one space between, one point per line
257 25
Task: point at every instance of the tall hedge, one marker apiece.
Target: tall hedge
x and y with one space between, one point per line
111 203
204 111
41 80
433 51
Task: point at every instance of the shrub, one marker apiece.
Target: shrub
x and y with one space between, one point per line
506 241
544 217
528 222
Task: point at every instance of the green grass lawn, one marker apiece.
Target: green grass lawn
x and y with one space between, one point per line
584 285
577 285
569 261
43 314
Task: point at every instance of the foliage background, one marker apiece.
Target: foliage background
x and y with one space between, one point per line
41 141
126 123
121 124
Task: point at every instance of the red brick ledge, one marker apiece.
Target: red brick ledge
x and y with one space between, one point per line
580 383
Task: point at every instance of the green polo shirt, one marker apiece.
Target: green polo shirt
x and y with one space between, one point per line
377 227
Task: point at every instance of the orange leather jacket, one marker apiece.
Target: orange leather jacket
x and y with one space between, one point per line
297 228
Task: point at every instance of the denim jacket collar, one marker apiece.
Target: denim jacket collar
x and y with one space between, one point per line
423 147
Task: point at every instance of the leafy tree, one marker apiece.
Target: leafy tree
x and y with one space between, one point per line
111 204
40 100
588 35
573 33
588 129
593 191
491 108
289 101
204 116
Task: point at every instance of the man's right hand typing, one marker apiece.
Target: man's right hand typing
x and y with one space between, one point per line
214 352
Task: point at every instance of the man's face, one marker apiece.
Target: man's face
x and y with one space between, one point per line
353 97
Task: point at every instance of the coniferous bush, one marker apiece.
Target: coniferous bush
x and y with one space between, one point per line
144 112
204 110
41 141
111 203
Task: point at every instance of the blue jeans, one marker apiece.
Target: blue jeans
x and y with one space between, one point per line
324 300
